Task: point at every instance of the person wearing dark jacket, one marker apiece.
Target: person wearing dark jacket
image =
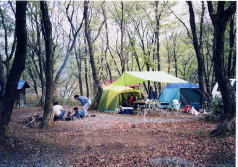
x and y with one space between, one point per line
152 94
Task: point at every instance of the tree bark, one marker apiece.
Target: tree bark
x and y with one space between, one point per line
175 63
231 57
157 15
219 21
122 38
2 79
78 57
48 111
96 100
17 67
40 62
107 44
197 47
86 69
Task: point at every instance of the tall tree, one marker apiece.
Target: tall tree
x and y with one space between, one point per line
35 47
74 31
79 59
91 55
122 37
47 33
219 21
232 51
8 51
197 44
8 48
7 101
158 15
86 70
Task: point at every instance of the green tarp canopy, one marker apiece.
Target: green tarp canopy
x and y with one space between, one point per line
129 78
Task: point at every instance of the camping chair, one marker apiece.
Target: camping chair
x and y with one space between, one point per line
163 107
175 106
141 109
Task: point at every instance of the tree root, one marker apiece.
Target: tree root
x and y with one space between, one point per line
226 128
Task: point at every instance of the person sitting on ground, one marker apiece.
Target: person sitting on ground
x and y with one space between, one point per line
58 111
79 113
70 116
84 101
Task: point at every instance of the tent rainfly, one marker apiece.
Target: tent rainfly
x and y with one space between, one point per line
186 93
129 78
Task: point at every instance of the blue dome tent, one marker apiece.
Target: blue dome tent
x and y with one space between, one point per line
186 93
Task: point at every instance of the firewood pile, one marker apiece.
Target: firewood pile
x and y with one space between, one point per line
32 121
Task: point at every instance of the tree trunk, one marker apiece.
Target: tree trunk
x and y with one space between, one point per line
80 78
109 72
107 45
220 71
219 21
40 62
86 70
175 64
122 38
48 111
132 43
17 67
2 79
158 15
78 57
231 57
197 47
96 100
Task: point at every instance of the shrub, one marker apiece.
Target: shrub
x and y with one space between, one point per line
216 106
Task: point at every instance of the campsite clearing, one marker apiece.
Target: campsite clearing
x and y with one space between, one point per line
117 140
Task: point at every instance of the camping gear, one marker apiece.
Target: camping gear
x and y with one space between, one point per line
163 105
175 105
113 96
193 111
32 121
187 108
186 93
126 110
129 78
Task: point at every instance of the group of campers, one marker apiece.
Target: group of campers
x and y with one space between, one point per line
61 114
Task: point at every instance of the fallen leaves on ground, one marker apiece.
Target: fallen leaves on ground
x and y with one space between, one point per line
116 140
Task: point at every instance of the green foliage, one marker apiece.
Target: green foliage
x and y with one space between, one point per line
216 106
200 132
215 109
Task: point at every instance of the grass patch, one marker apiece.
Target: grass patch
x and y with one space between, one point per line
200 132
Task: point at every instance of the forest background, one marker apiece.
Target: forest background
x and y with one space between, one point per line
93 42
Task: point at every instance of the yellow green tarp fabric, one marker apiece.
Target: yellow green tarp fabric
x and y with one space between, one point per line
129 78
110 98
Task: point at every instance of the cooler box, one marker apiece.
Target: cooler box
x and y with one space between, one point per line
126 110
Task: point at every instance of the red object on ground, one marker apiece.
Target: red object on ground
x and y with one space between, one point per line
186 108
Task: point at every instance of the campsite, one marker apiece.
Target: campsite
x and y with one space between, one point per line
118 83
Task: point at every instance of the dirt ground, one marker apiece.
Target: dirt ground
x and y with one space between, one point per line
116 140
